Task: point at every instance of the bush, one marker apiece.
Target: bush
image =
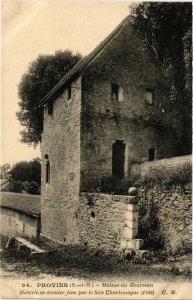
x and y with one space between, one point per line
114 186
176 170
31 187
108 185
149 228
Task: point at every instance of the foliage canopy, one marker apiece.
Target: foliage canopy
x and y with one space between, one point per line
43 73
167 28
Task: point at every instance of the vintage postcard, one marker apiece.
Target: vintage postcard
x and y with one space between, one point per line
96 165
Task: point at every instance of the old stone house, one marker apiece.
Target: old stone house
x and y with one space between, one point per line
98 120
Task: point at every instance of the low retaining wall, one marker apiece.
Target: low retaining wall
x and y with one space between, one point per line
103 222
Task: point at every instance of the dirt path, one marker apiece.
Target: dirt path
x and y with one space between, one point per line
88 264
14 267
84 274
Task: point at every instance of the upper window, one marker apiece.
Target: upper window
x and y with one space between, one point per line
69 92
150 97
50 107
47 171
117 92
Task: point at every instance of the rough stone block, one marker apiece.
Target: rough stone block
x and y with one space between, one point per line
134 244
129 233
131 224
131 200
132 207
123 244
133 216
132 191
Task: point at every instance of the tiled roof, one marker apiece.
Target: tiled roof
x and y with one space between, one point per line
83 63
29 204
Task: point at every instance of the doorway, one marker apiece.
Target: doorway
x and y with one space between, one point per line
151 154
118 159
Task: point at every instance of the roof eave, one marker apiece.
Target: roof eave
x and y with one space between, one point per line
56 90
21 210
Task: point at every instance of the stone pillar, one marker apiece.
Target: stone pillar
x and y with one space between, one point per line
129 235
131 221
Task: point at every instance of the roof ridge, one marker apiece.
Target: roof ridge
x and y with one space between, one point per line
83 63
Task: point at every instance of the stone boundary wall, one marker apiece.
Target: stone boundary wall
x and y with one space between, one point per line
173 212
167 185
101 220
16 223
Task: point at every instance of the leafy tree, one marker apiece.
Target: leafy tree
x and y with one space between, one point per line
4 169
27 171
42 75
166 28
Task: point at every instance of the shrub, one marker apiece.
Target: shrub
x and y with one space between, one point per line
149 228
114 186
108 185
177 170
32 187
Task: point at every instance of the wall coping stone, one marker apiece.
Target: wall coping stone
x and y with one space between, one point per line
117 198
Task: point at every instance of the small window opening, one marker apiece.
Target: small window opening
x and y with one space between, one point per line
92 214
150 97
47 168
50 107
69 92
115 91
151 154
118 159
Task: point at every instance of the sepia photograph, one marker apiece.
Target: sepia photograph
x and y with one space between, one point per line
96 150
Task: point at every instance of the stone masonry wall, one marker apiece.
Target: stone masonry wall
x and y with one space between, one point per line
78 139
174 204
101 220
15 223
104 120
61 141
167 185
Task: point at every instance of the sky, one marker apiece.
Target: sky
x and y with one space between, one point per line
30 28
